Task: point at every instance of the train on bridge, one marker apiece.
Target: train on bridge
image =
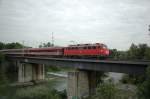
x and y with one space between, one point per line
96 50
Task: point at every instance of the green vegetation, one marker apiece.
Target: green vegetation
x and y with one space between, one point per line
132 79
10 45
139 52
3 77
2 57
105 90
39 92
135 52
144 88
48 44
5 71
109 90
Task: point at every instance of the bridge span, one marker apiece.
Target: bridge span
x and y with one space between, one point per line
130 67
82 82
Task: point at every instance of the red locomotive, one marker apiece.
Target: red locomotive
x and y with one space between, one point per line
72 51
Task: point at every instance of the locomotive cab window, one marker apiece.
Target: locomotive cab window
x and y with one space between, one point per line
104 46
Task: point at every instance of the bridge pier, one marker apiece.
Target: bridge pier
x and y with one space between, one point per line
30 72
81 84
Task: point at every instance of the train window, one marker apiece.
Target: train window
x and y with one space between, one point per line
80 48
94 47
84 47
89 47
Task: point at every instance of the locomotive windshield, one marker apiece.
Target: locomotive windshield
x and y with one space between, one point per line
104 46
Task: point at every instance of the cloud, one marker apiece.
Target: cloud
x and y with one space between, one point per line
116 23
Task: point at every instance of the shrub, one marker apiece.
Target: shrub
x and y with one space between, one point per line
105 91
144 88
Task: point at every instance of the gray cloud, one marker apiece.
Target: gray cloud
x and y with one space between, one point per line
117 23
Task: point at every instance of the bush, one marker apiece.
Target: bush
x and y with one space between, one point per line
105 91
2 57
144 88
39 92
132 79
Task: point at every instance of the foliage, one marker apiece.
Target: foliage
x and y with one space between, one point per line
13 45
135 52
4 70
132 79
3 83
48 44
2 45
105 91
39 92
109 90
113 54
2 57
144 88
3 77
10 45
147 53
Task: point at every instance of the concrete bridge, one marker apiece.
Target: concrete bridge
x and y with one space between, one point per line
82 82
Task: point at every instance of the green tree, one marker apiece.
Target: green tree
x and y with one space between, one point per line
132 79
142 51
3 77
114 54
147 54
144 88
2 45
13 45
133 52
105 90
48 44
138 52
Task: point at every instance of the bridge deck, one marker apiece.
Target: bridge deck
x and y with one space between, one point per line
86 64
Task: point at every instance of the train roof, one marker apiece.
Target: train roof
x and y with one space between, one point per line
45 48
84 45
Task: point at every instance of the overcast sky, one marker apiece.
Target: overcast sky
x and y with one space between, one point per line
117 23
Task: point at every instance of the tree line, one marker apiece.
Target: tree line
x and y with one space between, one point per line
10 45
135 52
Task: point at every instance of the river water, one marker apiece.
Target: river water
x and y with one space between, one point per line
59 79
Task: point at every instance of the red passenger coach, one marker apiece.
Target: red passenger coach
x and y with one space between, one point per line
50 51
96 49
